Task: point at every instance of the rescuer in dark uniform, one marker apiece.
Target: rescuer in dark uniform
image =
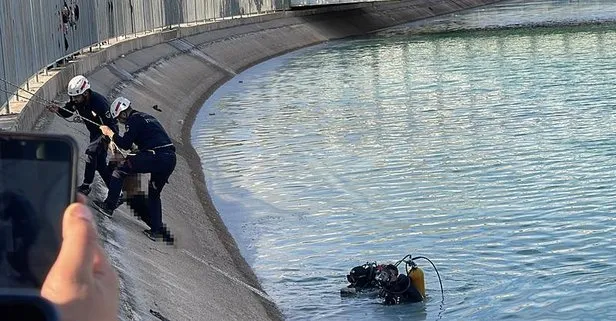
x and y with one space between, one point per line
155 155
88 104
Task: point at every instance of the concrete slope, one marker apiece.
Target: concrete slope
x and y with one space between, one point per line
203 276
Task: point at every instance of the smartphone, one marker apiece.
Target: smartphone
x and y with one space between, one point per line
19 306
37 183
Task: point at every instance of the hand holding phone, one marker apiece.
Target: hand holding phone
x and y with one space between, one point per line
37 179
43 251
37 182
82 282
81 285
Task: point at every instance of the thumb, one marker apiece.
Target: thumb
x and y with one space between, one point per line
79 244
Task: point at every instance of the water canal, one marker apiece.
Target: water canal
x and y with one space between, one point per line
484 140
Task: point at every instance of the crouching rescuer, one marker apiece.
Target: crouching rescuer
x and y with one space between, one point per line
155 155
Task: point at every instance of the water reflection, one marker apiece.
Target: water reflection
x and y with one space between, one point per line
490 152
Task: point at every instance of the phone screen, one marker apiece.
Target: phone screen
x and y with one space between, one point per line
36 185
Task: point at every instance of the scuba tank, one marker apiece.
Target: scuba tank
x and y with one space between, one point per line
379 275
416 274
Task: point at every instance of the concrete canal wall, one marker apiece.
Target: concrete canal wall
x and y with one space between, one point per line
203 276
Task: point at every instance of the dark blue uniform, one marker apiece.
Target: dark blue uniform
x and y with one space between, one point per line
95 109
156 155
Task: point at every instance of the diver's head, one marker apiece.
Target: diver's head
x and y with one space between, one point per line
361 276
387 273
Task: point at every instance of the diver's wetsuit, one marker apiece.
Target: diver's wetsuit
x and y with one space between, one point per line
401 291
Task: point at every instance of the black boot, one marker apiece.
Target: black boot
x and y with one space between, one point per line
153 235
160 236
84 189
121 199
104 208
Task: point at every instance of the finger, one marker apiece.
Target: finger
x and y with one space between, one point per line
106 277
79 244
102 266
82 199
105 273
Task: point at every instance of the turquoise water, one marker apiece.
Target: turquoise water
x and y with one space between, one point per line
490 151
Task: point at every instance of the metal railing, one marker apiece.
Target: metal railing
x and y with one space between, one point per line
37 34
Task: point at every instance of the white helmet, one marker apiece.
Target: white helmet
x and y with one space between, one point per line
119 105
78 85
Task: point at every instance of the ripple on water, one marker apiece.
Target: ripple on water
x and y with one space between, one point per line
490 152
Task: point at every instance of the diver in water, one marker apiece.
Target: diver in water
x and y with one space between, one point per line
362 278
396 288
385 281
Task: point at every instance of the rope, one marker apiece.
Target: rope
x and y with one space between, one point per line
231 277
76 119
19 88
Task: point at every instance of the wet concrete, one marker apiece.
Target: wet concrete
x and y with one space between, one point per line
202 276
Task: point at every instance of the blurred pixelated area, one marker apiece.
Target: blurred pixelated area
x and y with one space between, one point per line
135 190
